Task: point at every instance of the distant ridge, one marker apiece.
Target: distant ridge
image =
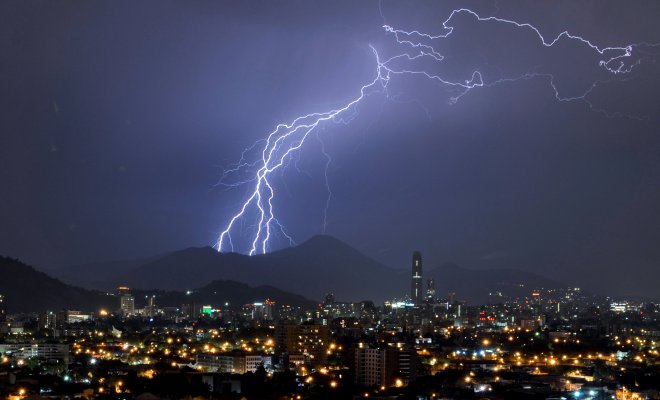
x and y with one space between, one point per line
319 265
299 275
313 268
28 290
97 275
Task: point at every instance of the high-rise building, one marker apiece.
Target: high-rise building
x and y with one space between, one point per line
309 340
416 283
430 291
371 367
269 306
3 312
126 301
389 366
150 310
127 304
48 320
536 303
452 298
259 311
406 365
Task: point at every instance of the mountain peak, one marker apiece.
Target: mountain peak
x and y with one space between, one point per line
324 247
324 241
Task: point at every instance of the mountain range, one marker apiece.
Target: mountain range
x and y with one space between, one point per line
28 290
318 266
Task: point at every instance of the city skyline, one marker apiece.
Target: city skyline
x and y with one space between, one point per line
547 343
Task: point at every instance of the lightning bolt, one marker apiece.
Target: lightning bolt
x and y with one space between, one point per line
274 153
328 161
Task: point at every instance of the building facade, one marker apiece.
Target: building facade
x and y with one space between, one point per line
40 351
416 294
127 304
388 366
310 340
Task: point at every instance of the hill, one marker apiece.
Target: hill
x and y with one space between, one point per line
97 275
313 268
320 265
28 290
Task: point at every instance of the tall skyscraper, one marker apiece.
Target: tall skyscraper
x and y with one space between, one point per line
416 293
3 312
430 291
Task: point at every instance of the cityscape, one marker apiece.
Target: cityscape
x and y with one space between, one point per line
329 199
549 344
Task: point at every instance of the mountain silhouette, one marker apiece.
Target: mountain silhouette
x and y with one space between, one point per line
320 265
220 292
28 290
97 275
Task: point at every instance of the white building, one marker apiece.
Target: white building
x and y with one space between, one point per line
41 351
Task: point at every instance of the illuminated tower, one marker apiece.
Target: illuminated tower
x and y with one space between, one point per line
430 291
416 283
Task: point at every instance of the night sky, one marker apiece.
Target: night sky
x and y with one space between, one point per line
118 117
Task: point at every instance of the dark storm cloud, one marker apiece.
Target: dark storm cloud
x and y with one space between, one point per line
117 117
